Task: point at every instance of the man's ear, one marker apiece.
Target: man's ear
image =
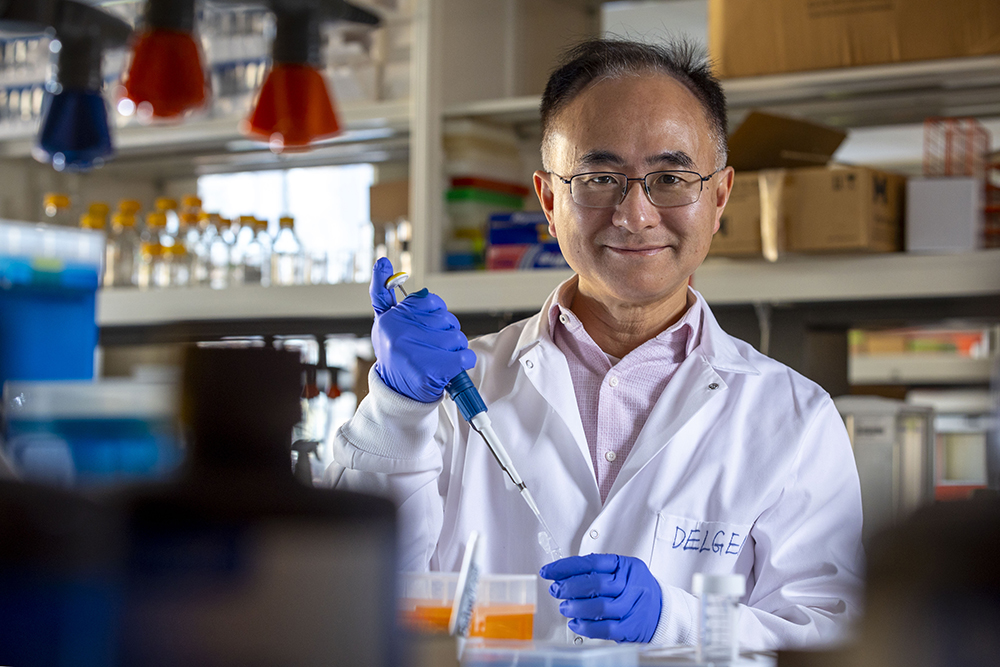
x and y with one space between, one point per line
543 188
723 189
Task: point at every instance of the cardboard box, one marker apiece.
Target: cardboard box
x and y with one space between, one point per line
814 209
944 214
753 37
762 149
855 209
389 201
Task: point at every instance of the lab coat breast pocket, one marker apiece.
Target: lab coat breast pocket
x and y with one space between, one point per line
685 545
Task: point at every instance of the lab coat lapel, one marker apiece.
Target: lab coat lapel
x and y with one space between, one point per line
556 386
692 387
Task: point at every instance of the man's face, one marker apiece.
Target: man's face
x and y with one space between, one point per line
634 254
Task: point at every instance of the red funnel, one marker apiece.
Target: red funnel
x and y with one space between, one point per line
293 108
166 73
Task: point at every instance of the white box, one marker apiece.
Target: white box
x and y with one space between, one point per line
656 21
944 214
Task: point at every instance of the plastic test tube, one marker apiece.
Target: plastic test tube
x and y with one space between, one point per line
718 639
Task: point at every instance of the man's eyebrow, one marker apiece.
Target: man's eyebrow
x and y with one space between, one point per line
676 158
599 157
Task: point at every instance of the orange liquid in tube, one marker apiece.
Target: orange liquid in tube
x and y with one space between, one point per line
501 621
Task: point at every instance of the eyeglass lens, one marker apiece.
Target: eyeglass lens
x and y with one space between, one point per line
665 188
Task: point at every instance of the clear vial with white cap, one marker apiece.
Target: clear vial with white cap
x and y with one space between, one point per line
718 637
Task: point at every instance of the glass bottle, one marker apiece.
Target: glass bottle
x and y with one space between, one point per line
219 251
257 256
168 207
101 210
153 271
287 258
58 210
194 255
122 250
244 234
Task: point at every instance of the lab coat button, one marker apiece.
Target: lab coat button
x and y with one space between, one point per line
529 363
713 386
613 382
594 534
578 639
610 456
563 319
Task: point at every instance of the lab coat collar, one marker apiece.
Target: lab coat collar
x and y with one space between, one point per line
716 345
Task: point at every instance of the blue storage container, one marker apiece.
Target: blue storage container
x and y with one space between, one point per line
48 285
92 433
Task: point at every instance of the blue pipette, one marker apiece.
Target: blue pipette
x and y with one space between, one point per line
473 409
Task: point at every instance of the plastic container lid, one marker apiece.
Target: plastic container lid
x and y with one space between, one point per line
123 219
129 206
51 247
286 221
719 584
55 200
191 201
156 219
165 204
497 653
124 398
99 208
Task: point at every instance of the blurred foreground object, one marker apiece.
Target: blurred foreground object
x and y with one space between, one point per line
934 589
238 563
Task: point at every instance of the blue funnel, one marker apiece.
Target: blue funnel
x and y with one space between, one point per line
75 133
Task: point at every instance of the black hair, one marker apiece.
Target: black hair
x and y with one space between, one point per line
597 59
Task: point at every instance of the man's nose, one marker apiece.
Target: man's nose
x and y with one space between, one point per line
635 212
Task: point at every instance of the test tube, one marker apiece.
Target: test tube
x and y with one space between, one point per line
718 638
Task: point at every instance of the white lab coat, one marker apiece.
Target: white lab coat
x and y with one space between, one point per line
742 466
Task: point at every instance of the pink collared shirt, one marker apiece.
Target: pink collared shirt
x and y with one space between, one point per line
616 396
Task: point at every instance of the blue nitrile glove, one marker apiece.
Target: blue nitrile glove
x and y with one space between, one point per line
419 346
607 596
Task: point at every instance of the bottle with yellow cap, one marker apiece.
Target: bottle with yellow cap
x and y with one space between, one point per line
153 272
57 209
101 210
287 258
168 207
195 233
257 256
219 249
244 235
129 207
122 251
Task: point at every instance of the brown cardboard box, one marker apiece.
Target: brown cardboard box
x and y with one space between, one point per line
854 209
754 225
760 149
739 229
752 37
389 201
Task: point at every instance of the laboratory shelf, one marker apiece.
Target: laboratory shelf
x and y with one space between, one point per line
802 279
125 307
923 368
848 97
361 122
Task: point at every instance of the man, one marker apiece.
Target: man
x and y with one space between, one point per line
655 445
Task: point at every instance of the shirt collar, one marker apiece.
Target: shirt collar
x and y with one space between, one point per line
710 340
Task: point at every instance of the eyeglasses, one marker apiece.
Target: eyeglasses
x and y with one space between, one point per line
665 189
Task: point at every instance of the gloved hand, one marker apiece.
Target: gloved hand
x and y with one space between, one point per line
419 346
607 596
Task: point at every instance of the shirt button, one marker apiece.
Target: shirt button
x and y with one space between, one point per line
594 534
610 456
578 639
613 382
713 386
529 363
564 319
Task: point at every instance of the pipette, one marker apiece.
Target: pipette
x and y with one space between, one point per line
473 409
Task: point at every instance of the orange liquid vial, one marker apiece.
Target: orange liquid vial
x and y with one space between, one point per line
425 618
503 621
